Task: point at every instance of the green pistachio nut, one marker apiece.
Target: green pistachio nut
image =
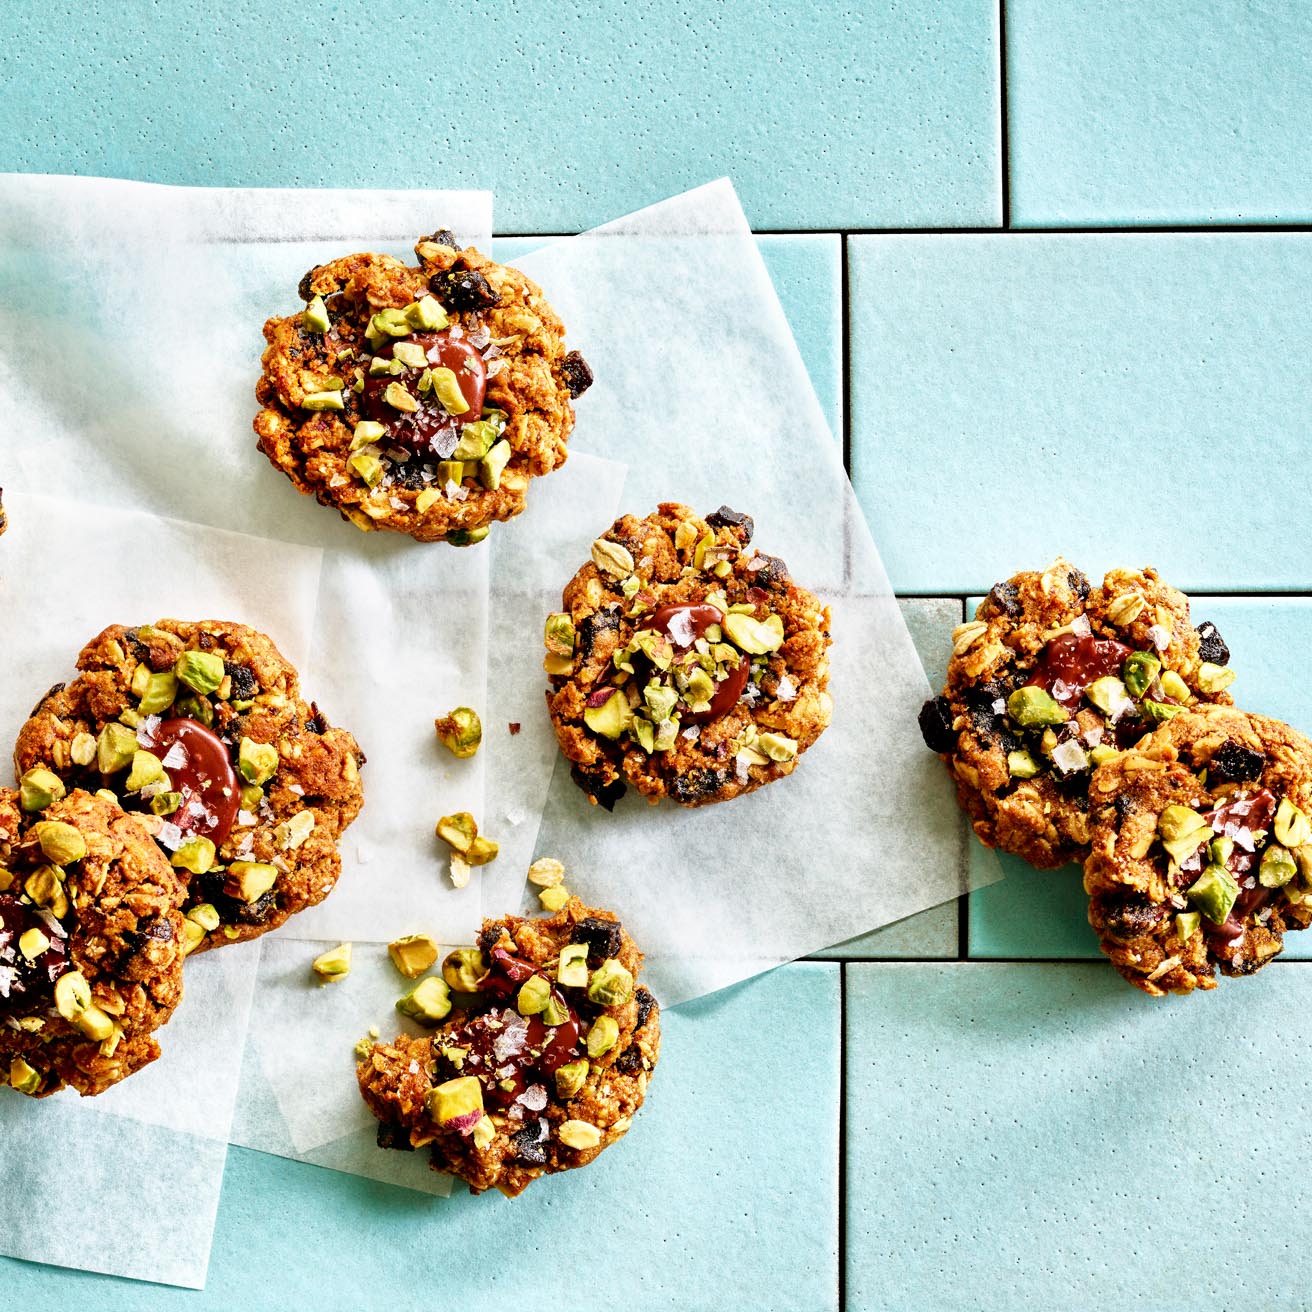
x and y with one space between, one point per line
334 964
1277 868
426 315
611 718
611 984
1102 753
558 633
257 763
1291 825
1139 671
248 881
194 707
1175 821
461 732
1031 708
205 915
463 969
413 954
428 1003
476 439
366 433
644 731
455 1099
660 699
1107 694
60 842
72 994
165 803
201 671
40 788
159 693
1186 925
491 466
399 398
386 324
193 935
385 366
570 1078
1214 893
368 469
32 943
410 354
777 746
552 899
147 768
481 851
458 831
426 500
293 832
196 854
94 1023
1221 848
446 387
757 637
1214 678
450 471
468 537
25 1079
1159 712
314 318
602 1036
533 996
251 795
323 401
45 886
1175 687
555 1012
557 665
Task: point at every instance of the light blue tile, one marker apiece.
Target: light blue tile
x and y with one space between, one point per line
1119 399
1179 111
1037 1137
724 1194
1030 914
827 117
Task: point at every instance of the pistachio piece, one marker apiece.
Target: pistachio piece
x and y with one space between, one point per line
428 1003
461 732
612 559
546 872
257 763
251 795
426 315
398 397
1107 694
481 851
23 1078
1186 925
201 671
413 954
334 964
756 637
314 318
323 401
368 469
82 750
1175 821
147 768
40 788
114 748
446 387
159 693
468 537
193 935
483 1133
455 1100
602 1036
1125 609
94 1023
557 665
426 500
777 746
380 367
32 943
248 881
366 432
72 994
45 886
1214 893
570 1078
476 440
578 1134
1221 848
450 471
555 1012
1277 867
463 969
205 915
1031 707
410 354
1021 765
552 899
1175 687
611 718
558 633
293 832
611 984
385 324
1291 825
1139 671
1214 678
196 854
1159 712
533 996
458 831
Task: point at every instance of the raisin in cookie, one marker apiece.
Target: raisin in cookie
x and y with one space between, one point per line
423 399
91 940
1049 679
685 663
542 1066
201 728
1201 851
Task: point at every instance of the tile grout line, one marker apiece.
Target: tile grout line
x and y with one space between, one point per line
1002 113
846 354
842 1136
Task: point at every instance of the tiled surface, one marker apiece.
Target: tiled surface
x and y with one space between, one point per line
1036 1137
1176 111
724 1194
827 116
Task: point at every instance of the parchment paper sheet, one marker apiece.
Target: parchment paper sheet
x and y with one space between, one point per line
145 1159
701 392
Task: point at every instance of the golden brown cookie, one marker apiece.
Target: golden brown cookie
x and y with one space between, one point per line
91 941
419 399
1201 853
201 728
1050 678
542 1064
685 663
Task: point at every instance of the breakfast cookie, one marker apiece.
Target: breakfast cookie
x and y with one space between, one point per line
685 662
91 940
419 399
1201 853
1048 680
542 1066
200 727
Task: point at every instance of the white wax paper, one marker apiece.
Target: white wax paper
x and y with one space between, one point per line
144 1159
701 391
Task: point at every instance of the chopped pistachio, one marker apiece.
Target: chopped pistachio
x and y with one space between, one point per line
23 1078
450 471
428 1003
1277 867
777 746
578 1134
251 795
257 763
1102 753
426 315
413 954
193 706
446 387
757 637
45 886
410 354
32 943
94 1023
460 732
367 432
72 994
481 851
1221 848
1175 687
570 1078
1139 671
1107 694
468 537
1214 678
248 881
1031 707
611 718
1021 765
61 843
1214 893
458 831
147 768
476 440
158 694
205 915
558 633
196 854
491 466
1291 825
202 671
533 995
426 500
463 969
557 665
555 1012
1176 820
314 318
611 984
385 324
399 398
193 935
82 749
165 803
39 788
323 401
483 1133
293 832
1159 712
368 469
1186 925
455 1099
552 899
334 964
602 1036
546 872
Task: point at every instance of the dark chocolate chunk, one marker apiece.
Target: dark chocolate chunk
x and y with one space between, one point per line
726 518
646 1005
605 792
1234 763
463 289
577 373
530 1144
592 626
1211 645
936 729
629 1062
244 686
1079 584
318 722
1130 917
392 1135
160 929
1006 598
409 474
697 785
603 938
257 912
773 572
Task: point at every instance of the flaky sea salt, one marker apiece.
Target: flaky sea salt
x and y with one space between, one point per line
1160 637
786 691
1081 627
1069 756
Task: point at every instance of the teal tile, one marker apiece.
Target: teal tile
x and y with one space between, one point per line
574 113
727 1185
1176 112
1036 1137
1030 913
1101 396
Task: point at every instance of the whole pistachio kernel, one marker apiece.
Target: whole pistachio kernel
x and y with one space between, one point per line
40 788
248 881
492 465
23 1078
602 1036
428 1003
388 323
45 887
201 671
334 964
558 633
552 899
460 732
257 763
426 315
611 718
82 750
196 854
1175 821
446 387
533 996
159 693
578 1134
458 831
1139 671
756 637
1277 867
1031 708
314 318
323 401
611 984
1214 678
72 994
1291 825
463 969
570 1078
60 842
413 954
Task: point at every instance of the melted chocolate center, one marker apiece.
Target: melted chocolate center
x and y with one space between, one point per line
683 625
204 776
1071 662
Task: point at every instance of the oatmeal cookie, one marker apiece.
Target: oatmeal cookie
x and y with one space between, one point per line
684 662
201 728
542 1066
1201 854
419 399
1049 679
91 941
